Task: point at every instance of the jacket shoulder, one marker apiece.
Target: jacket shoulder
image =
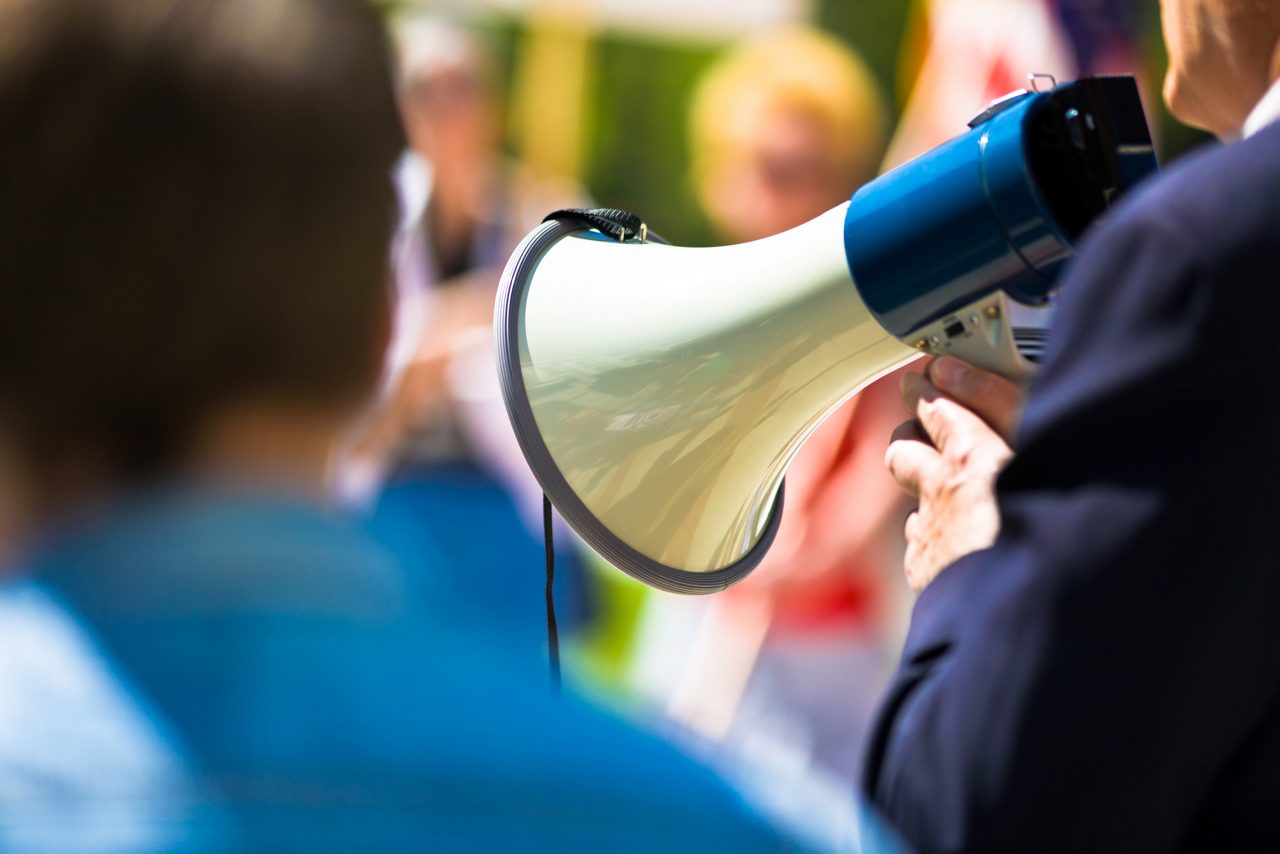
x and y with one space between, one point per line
1221 203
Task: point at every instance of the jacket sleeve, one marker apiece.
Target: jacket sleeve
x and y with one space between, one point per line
1073 686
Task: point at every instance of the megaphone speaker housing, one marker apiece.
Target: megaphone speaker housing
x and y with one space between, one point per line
659 392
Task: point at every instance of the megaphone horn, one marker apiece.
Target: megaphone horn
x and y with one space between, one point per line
659 392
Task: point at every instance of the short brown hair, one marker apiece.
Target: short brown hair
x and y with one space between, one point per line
196 206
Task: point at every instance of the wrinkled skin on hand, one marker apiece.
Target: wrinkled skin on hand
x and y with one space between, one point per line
948 457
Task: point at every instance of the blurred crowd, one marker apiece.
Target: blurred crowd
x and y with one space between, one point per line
274 560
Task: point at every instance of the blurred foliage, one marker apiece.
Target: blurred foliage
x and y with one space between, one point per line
638 135
874 28
637 139
638 151
391 8
638 156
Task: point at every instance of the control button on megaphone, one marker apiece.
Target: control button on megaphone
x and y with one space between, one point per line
659 392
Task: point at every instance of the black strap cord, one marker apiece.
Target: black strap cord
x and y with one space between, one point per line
553 632
620 225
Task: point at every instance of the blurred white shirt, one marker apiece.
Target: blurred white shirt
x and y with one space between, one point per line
84 765
1266 113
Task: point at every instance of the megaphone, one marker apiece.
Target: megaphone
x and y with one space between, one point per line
659 392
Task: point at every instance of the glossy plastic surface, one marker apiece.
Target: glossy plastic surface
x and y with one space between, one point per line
668 388
997 208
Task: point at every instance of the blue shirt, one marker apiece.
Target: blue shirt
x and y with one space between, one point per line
325 707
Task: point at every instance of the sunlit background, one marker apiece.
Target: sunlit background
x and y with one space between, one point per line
599 89
717 121
685 113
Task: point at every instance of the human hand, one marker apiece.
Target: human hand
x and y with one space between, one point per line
948 458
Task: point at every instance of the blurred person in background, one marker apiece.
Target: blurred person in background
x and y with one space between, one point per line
787 666
195 207
439 460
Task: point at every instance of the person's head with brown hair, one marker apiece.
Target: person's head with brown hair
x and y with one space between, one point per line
195 212
783 128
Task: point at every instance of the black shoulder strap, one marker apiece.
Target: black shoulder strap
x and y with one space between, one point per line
620 225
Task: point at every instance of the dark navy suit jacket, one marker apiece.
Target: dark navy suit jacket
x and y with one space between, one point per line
1107 676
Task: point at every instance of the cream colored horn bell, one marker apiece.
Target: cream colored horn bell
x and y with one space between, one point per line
660 392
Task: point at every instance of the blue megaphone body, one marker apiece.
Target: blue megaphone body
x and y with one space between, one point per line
997 209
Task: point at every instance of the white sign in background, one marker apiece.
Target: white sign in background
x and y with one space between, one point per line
698 19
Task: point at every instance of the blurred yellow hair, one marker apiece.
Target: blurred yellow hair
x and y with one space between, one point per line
793 70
